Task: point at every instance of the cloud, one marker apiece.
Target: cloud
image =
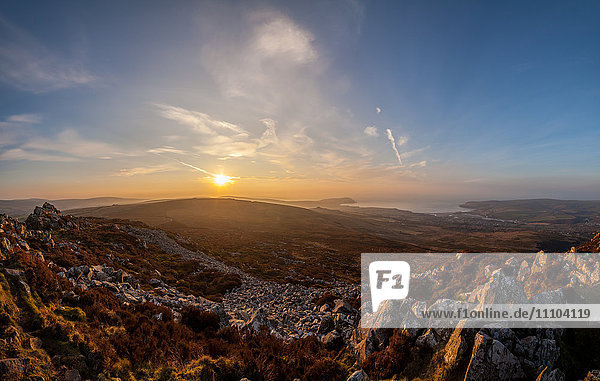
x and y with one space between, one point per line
220 138
28 65
371 131
261 58
69 142
127 172
20 119
166 149
401 141
68 145
378 110
406 155
270 135
420 164
200 122
24 118
278 36
21 154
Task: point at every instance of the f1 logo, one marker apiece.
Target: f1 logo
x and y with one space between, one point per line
388 280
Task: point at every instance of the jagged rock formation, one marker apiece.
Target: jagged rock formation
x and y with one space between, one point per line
47 217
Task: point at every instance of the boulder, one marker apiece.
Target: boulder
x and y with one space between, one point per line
257 320
5 246
541 351
458 344
326 325
500 289
72 375
554 375
341 306
333 340
359 375
429 339
491 360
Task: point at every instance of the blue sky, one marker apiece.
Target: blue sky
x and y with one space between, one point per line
153 99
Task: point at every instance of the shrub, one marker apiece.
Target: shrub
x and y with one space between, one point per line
71 313
198 320
391 360
325 369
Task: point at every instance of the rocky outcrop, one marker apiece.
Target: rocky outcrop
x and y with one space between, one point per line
127 288
491 360
47 217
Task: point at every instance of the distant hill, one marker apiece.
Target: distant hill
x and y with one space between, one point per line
542 211
324 203
265 238
21 208
268 239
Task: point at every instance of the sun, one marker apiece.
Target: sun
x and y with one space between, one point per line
221 180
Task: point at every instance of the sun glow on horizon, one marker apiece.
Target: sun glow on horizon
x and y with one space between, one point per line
221 180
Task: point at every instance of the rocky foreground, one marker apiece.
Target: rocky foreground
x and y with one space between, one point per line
289 313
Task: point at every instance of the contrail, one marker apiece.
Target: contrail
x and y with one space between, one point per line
196 168
393 141
187 165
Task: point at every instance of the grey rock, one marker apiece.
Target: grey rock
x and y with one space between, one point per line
333 340
551 375
326 325
359 375
72 375
341 306
491 360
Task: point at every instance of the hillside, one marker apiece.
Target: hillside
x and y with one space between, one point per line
541 211
22 208
321 244
324 203
88 298
264 238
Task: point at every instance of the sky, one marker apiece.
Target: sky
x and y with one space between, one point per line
376 100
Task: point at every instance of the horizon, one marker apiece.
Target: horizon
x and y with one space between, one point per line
381 102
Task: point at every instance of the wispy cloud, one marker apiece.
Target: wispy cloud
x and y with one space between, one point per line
393 141
24 118
420 164
221 138
21 154
271 55
414 152
166 149
70 142
128 172
28 65
20 119
200 122
68 145
371 131
278 36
